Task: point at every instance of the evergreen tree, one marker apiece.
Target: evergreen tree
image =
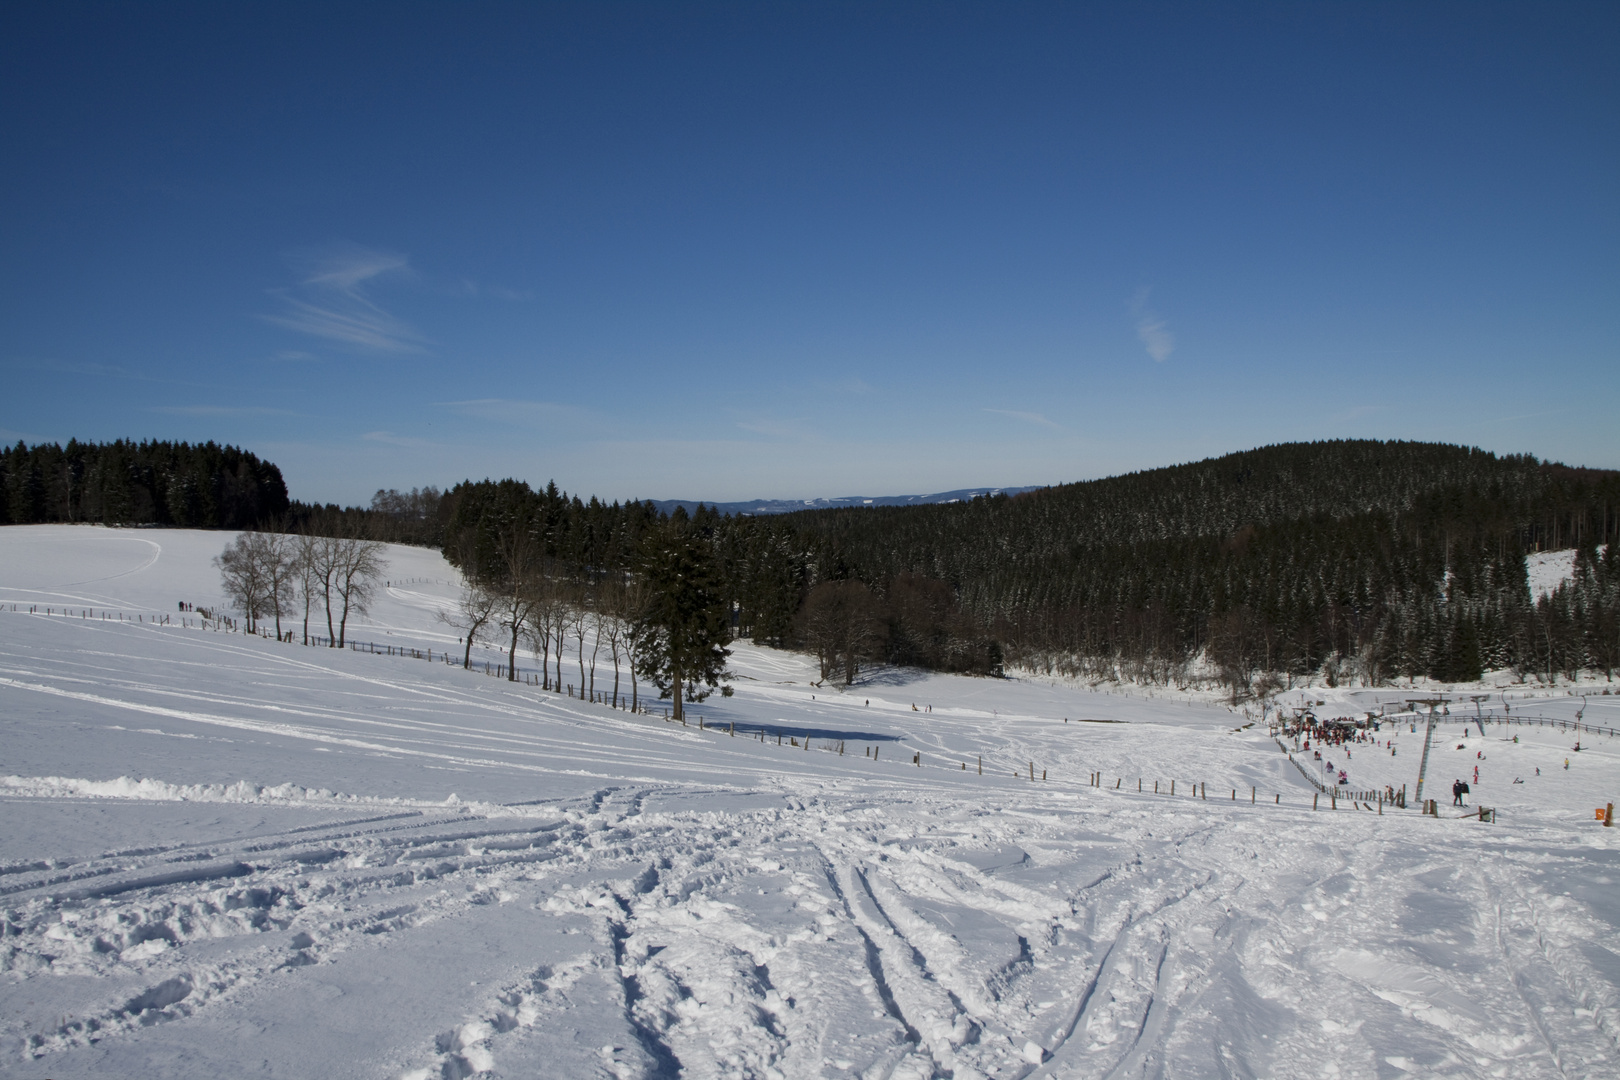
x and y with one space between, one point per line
683 627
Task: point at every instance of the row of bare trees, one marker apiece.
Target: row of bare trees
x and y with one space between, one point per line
270 575
532 603
655 608
916 621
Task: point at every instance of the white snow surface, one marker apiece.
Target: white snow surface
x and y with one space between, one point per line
1549 569
227 856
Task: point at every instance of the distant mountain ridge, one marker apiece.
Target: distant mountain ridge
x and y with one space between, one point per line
765 507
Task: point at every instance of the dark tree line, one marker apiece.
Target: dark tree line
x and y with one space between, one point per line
546 570
1345 560
190 485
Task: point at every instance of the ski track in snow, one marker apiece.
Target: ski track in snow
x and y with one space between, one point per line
229 856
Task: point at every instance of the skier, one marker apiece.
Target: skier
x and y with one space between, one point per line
1456 792
1465 793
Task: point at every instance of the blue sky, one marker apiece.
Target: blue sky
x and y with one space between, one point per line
767 250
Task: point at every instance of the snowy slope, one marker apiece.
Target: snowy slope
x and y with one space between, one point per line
1549 569
229 856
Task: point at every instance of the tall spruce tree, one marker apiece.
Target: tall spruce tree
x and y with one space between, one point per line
683 628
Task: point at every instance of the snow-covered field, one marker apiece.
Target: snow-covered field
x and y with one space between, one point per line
225 856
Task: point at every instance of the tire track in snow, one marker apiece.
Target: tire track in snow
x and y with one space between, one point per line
1545 980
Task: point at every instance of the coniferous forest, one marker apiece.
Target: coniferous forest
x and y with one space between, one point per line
200 485
1345 561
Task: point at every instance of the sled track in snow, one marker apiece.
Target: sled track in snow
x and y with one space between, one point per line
817 931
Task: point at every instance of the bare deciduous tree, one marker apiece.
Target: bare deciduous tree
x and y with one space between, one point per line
520 586
473 612
242 576
359 563
257 572
324 555
546 611
281 572
633 604
306 573
601 621
611 628
579 620
559 630
840 621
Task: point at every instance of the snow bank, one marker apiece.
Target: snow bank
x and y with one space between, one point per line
241 791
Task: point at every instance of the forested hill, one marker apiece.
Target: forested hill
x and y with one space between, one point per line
1360 558
1222 496
1342 560
201 485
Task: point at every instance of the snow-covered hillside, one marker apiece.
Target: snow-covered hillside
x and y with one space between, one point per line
1549 569
223 855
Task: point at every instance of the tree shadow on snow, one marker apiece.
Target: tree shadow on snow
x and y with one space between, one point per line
785 731
886 676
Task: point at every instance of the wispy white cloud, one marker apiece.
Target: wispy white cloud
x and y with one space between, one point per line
1028 417
351 266
331 301
1153 331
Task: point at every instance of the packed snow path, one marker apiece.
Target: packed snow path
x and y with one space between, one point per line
229 856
